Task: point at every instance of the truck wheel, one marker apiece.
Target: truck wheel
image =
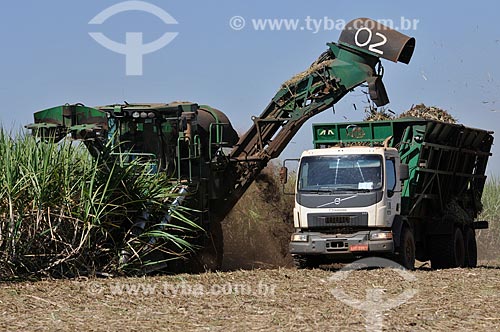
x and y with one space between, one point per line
307 262
470 248
407 249
448 251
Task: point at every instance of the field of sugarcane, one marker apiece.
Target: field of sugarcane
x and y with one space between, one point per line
65 214
489 239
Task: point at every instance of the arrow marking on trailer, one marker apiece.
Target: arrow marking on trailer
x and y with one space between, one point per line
337 201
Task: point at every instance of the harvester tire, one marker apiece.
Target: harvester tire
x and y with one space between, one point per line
210 257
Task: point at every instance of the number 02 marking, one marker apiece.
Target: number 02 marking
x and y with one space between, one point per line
371 47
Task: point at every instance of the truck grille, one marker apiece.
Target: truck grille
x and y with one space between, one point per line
336 220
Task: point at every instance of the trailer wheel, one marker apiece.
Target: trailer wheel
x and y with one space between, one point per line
470 248
307 261
459 248
448 251
407 249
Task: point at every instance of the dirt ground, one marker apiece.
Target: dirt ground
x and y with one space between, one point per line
273 299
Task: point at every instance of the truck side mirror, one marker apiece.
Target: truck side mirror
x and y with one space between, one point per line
404 172
283 175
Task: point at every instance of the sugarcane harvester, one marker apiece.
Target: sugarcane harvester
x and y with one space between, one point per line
197 145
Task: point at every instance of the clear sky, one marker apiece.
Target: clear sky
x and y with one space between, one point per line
48 58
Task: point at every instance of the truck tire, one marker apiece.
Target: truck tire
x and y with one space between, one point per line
406 251
307 262
470 248
448 251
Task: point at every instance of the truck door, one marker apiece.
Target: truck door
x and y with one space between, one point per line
392 189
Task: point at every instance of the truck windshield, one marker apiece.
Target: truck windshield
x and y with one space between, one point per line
340 173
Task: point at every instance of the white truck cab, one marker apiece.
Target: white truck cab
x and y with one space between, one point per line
346 200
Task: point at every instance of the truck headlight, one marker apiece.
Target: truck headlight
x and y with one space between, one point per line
381 236
300 238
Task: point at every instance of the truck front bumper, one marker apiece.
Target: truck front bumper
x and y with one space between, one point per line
359 243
